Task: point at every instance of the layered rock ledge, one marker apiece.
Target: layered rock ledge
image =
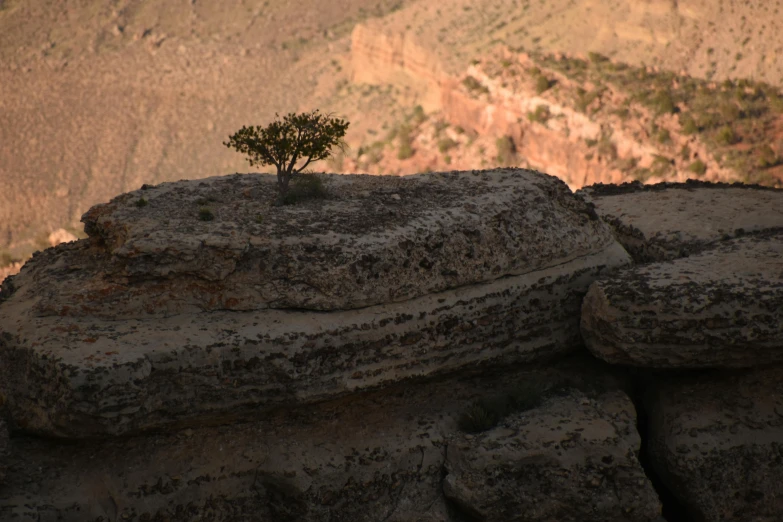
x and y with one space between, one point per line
717 443
720 308
379 456
671 220
161 318
575 458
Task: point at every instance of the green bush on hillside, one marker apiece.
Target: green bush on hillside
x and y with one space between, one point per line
698 167
541 114
542 84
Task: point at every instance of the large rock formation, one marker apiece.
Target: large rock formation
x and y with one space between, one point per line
696 215
160 317
720 307
241 400
718 443
574 458
378 456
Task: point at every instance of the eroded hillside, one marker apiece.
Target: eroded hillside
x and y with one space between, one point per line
590 120
98 98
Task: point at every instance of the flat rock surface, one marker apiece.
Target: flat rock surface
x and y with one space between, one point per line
720 308
92 365
378 457
575 458
373 240
717 442
671 220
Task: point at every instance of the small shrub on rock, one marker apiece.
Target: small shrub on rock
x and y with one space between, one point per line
305 186
205 214
290 144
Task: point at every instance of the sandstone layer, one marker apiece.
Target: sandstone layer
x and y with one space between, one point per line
722 307
696 215
717 442
161 318
377 457
574 458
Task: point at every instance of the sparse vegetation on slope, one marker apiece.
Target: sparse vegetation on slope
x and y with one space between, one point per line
737 120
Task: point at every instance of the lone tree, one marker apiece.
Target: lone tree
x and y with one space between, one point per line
291 144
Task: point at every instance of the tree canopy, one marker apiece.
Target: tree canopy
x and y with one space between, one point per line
290 144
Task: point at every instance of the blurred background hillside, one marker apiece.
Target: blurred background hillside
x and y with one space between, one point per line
100 97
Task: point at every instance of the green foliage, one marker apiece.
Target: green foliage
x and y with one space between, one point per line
440 126
584 99
405 151
418 117
726 136
775 101
641 174
622 113
473 85
597 58
542 84
688 124
627 164
661 165
141 202
205 214
662 103
541 115
664 136
290 144
7 259
729 111
373 152
305 186
404 135
446 144
698 167
506 150
767 157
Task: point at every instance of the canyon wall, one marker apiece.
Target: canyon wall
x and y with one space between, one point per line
498 105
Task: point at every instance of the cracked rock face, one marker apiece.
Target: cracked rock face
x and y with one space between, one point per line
722 307
378 457
696 216
572 459
718 444
160 318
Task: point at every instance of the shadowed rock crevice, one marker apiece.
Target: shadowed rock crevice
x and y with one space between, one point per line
672 508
